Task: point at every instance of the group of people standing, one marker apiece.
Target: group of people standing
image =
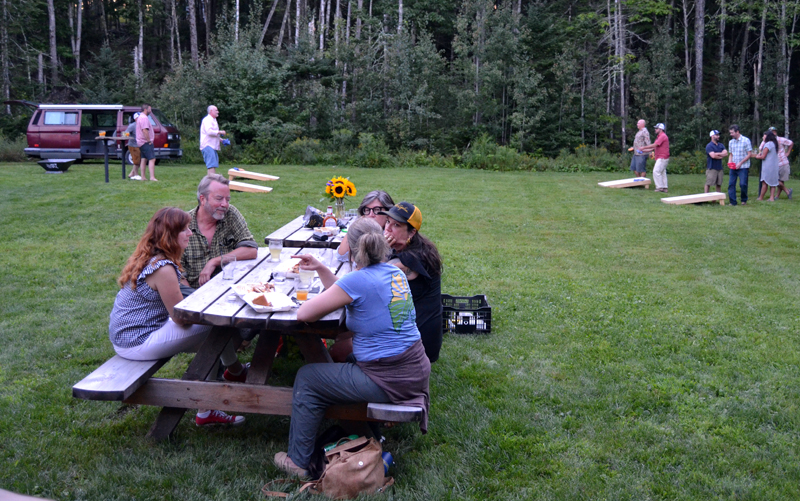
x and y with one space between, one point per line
392 299
774 152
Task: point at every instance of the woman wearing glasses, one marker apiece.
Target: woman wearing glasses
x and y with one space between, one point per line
375 202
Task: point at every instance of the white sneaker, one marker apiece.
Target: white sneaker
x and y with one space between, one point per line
137 178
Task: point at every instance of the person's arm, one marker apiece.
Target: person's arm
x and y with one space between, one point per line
410 274
723 154
344 247
762 155
788 144
242 254
309 262
163 281
330 300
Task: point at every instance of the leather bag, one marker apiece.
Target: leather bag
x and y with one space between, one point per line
354 467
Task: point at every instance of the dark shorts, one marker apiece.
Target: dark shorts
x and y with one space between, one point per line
639 163
147 151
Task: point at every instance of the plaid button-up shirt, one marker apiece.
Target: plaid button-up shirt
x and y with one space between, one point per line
739 148
231 233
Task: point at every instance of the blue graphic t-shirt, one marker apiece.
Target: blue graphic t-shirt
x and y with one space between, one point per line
382 314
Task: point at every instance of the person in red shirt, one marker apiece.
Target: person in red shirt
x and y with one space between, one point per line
660 150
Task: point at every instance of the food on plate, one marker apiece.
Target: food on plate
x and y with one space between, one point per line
261 300
295 268
255 287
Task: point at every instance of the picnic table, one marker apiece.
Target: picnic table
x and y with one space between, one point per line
295 234
216 305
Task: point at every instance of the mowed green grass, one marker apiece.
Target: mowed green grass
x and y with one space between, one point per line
638 350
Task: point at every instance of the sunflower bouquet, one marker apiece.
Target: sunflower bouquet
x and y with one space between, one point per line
339 187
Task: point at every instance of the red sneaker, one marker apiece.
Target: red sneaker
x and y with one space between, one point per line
218 417
236 378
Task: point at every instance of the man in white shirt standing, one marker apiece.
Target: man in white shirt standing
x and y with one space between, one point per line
210 139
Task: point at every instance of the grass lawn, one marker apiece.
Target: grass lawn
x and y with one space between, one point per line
639 350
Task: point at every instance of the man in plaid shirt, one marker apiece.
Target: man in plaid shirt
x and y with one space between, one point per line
217 229
739 147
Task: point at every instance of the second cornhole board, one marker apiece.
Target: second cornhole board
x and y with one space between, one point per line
232 173
627 183
253 188
696 199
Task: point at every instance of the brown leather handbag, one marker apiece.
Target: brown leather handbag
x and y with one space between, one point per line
354 467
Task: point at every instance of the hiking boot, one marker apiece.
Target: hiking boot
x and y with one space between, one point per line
237 378
218 417
285 463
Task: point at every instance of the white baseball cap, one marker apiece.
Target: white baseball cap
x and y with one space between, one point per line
713 133
661 126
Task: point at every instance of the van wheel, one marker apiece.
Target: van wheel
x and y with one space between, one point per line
129 158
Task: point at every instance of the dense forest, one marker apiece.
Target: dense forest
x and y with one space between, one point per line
420 75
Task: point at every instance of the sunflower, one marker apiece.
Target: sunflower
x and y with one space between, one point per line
339 187
339 190
351 189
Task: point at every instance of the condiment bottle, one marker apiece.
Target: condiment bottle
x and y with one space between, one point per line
330 219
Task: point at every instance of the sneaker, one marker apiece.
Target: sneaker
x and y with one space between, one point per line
136 178
218 417
237 378
789 193
285 463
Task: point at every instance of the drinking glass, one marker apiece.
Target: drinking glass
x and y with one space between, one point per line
305 277
102 133
302 292
228 264
275 248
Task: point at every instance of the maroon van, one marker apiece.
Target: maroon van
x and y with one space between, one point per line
70 131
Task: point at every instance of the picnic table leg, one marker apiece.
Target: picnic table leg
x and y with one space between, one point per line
263 357
105 151
205 360
123 161
312 348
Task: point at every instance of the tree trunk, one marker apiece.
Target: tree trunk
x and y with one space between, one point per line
699 35
743 52
236 27
297 21
269 18
688 63
140 52
787 70
193 33
757 70
722 20
620 56
283 23
51 14
103 23
322 25
400 16
177 31
358 19
207 11
4 49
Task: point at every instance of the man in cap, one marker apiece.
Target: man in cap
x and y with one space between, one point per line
133 148
785 146
639 160
660 150
210 139
739 148
715 152
144 138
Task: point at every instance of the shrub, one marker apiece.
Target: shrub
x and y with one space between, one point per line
485 154
303 151
372 152
13 150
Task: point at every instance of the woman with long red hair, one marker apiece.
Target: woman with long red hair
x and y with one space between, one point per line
142 325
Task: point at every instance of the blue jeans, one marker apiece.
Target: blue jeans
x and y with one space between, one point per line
742 174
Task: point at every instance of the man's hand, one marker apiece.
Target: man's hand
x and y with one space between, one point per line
208 269
222 133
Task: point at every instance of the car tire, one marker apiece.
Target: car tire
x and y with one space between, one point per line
128 157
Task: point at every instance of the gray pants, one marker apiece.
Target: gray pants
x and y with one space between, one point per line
317 387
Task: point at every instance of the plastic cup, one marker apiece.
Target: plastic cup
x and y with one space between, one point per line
102 133
279 276
302 293
228 264
275 248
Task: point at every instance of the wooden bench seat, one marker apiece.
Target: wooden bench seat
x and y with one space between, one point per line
130 381
117 379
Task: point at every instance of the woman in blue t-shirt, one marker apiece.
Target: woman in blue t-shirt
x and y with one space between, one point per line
391 364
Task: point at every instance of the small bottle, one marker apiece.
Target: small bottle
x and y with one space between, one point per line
330 219
388 461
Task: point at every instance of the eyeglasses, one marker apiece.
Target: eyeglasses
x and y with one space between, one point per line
375 210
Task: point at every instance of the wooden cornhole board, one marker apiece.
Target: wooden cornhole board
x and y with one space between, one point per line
252 188
696 199
232 173
627 183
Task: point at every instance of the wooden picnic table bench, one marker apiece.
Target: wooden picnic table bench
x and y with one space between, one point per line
215 304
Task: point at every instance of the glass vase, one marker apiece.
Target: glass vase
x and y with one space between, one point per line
338 208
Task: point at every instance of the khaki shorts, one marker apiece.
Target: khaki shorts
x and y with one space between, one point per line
135 154
783 173
713 177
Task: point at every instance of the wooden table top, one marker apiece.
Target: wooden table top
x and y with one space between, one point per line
294 234
115 138
216 304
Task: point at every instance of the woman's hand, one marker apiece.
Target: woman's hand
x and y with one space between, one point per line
393 242
309 262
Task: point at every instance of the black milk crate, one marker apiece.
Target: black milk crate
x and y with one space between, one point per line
466 314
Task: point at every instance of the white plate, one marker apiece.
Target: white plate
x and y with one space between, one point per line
279 301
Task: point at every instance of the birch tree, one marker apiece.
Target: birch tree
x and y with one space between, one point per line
699 36
51 14
75 28
193 33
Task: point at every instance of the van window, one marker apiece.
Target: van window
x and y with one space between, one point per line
107 119
87 119
60 118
